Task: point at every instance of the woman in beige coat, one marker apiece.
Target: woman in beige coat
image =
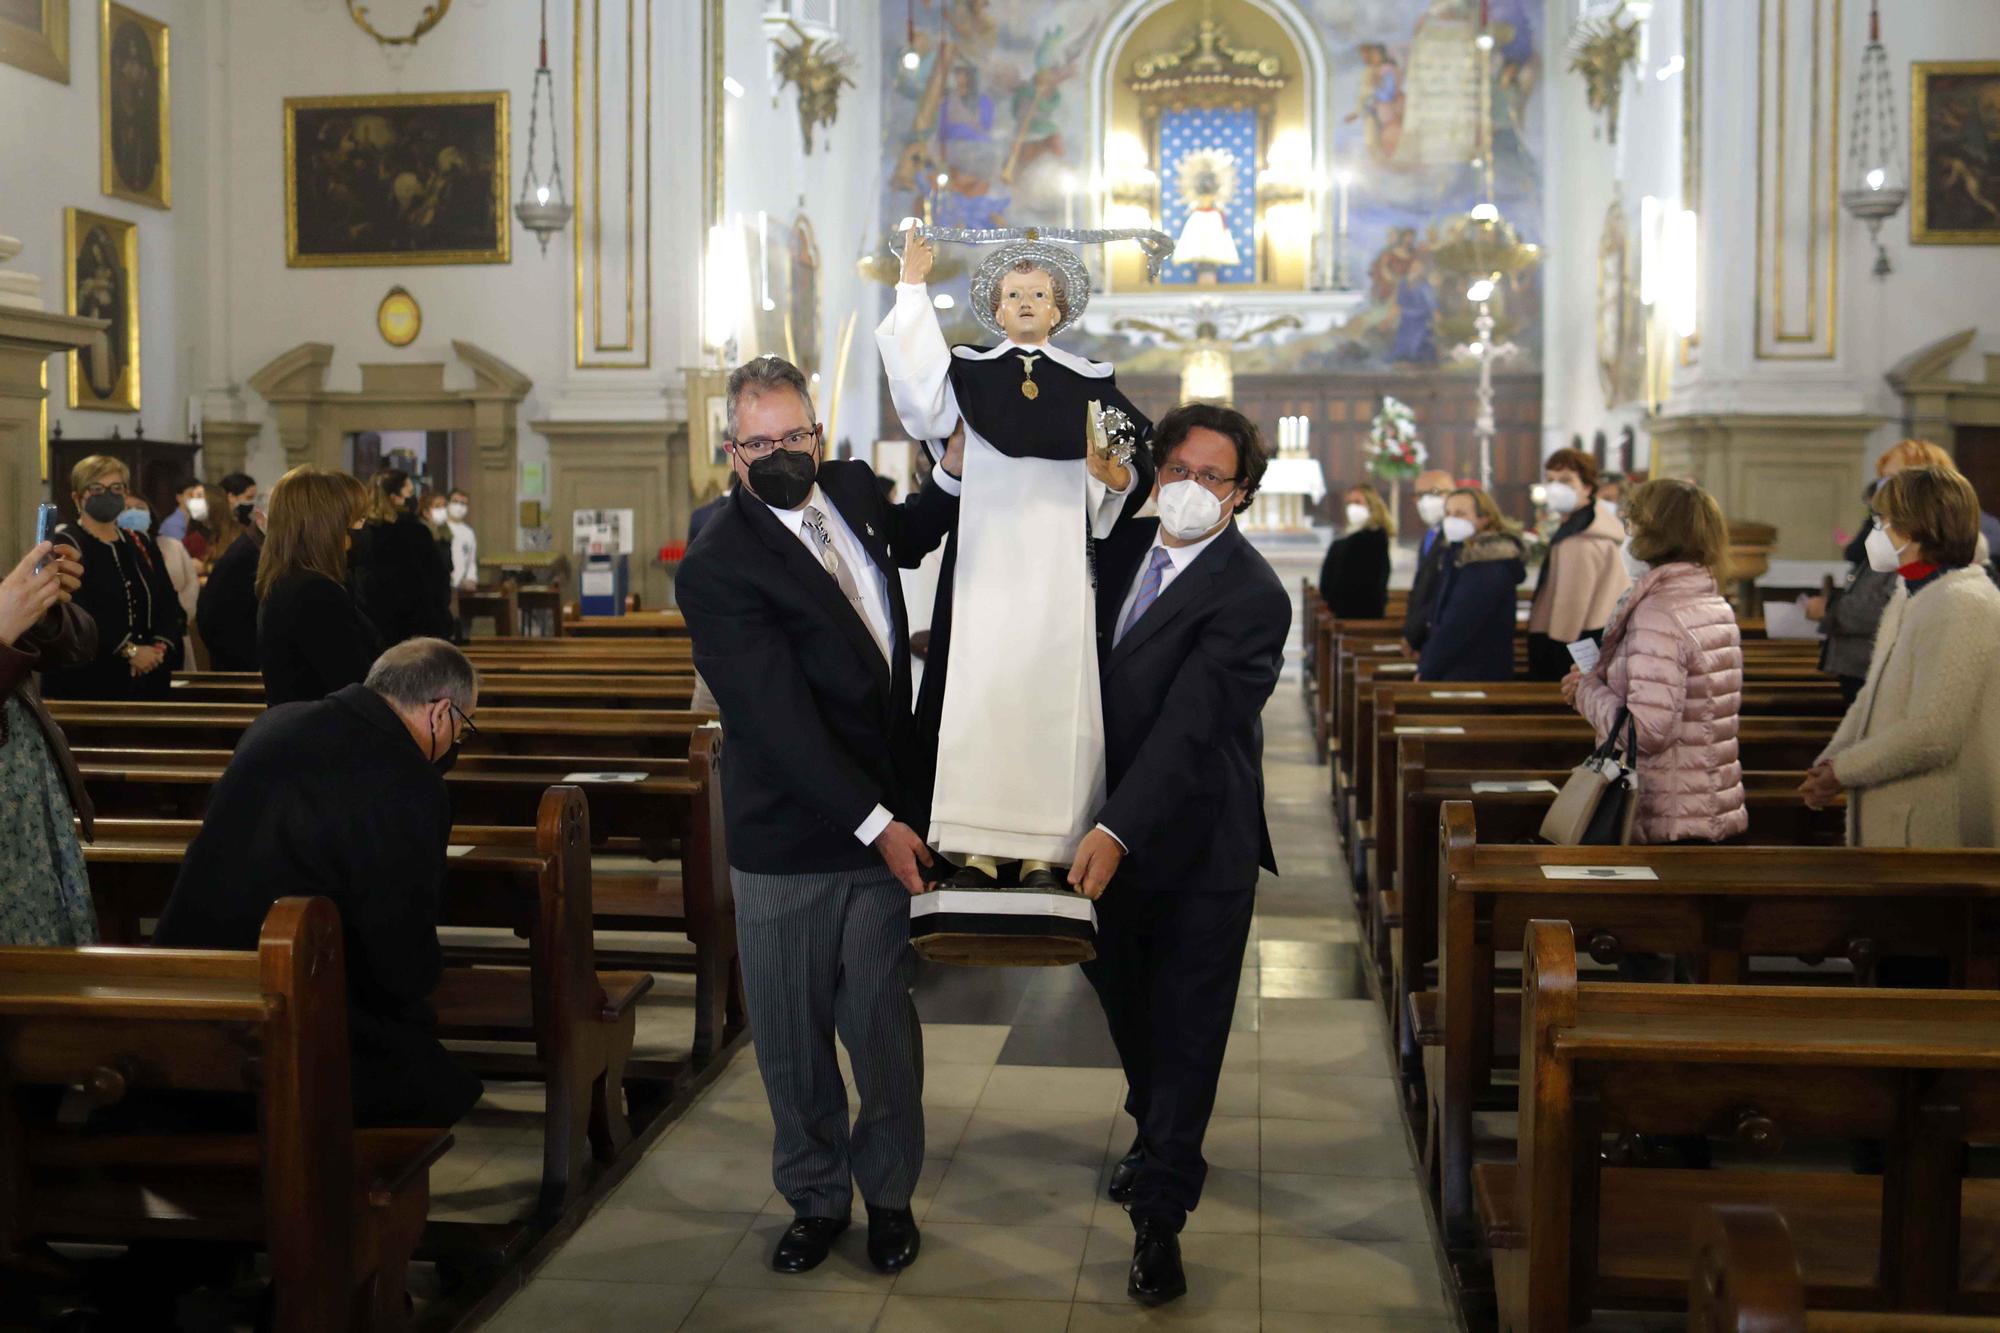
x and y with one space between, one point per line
1582 576
1919 752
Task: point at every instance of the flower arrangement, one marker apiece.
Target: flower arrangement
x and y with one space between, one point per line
1393 451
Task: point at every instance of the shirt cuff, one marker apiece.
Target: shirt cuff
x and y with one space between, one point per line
1114 837
947 483
871 827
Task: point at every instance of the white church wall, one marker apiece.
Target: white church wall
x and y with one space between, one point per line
50 160
1934 291
768 170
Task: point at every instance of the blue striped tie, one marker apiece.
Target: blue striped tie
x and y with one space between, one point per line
1149 589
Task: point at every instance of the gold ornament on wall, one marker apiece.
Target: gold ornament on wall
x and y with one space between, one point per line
34 35
433 14
1602 50
399 318
818 68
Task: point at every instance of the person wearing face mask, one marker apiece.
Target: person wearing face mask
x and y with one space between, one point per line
285 819
1918 753
1471 634
1673 660
1582 577
188 524
312 639
1192 624
464 542
798 624
226 609
183 567
401 581
126 590
1849 617
1433 488
1354 576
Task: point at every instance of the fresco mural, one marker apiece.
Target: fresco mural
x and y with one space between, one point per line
999 103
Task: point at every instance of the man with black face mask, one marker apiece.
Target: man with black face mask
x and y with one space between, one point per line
799 628
345 797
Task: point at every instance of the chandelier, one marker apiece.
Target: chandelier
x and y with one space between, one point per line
542 208
1876 181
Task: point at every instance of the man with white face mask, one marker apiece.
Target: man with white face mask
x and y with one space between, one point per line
1192 625
1433 487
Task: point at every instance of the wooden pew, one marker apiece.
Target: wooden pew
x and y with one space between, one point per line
1764 1067
338 1210
496 689
1777 817
535 881
655 733
674 810
631 625
501 604
1715 906
1745 1279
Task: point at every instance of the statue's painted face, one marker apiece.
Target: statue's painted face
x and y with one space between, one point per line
1028 309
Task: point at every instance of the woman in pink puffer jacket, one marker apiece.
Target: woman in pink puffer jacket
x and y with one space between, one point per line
1673 655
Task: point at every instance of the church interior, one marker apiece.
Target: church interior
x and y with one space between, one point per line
1539 256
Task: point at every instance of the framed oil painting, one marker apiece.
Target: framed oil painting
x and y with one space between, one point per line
34 35
104 284
402 178
1955 179
135 110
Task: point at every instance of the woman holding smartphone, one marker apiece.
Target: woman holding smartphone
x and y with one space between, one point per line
126 590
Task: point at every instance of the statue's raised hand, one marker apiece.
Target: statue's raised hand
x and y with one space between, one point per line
917 257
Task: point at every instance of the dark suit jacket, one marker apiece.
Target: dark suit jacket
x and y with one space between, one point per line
332 798
226 609
311 640
819 724
1184 695
1354 579
1432 553
702 514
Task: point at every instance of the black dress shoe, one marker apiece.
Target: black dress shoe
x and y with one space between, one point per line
1157 1276
1048 881
805 1243
971 877
1125 1175
893 1240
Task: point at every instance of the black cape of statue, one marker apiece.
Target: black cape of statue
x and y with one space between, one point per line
1052 425
1055 423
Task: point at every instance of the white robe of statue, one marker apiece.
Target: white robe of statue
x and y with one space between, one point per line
1020 773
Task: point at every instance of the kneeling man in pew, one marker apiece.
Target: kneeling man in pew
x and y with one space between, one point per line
344 797
796 612
1192 624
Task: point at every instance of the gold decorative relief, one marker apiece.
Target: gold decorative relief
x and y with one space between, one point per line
612 112
1798 179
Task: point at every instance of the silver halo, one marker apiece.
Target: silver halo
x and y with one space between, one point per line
1061 261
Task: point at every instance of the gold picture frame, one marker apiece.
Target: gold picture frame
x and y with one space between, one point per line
1945 186
41 48
102 258
135 106
355 196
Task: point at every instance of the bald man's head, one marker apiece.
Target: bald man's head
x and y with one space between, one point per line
1436 481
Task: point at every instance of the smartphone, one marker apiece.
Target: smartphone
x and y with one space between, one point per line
45 527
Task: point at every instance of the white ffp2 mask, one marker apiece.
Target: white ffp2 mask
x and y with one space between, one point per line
1430 508
1561 497
1458 530
1884 556
1188 509
1357 517
1635 568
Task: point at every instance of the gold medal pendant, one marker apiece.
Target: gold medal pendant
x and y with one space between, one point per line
1029 390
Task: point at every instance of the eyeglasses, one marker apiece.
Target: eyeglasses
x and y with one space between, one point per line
98 488
1209 481
761 446
459 713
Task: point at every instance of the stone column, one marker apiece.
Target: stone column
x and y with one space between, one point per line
28 338
225 448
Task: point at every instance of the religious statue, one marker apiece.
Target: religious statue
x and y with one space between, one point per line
1051 461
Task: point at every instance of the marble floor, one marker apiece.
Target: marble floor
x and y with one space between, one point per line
1311 1218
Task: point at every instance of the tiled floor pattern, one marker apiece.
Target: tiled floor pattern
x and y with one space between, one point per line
1311 1221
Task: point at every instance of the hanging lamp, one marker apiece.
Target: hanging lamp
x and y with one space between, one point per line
542 208
1877 181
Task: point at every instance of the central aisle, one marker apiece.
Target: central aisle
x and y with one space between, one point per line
1311 1222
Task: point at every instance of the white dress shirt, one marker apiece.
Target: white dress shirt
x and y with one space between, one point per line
1178 559
869 581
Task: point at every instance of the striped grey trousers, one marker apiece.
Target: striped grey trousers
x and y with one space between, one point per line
829 953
